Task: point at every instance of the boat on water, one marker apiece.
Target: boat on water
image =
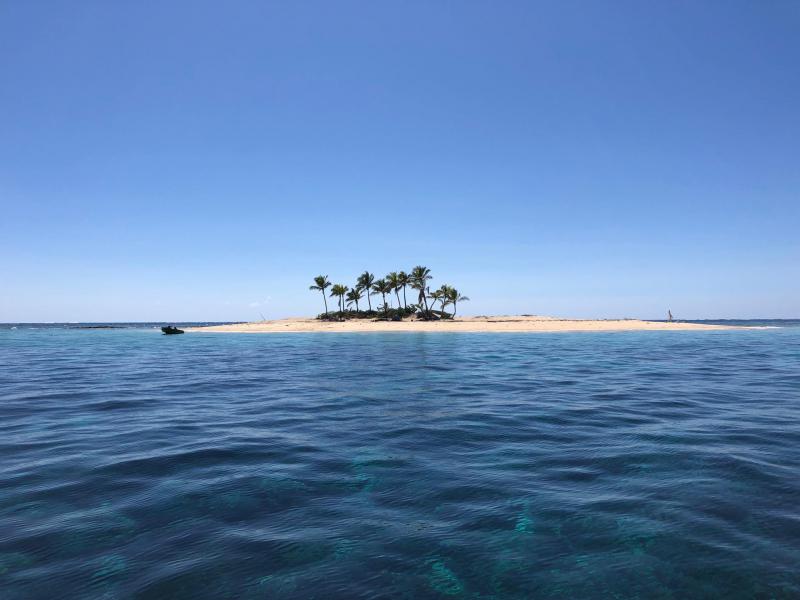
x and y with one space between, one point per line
170 330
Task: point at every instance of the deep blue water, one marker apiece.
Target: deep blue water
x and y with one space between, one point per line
481 466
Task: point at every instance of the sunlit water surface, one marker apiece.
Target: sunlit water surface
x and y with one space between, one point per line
481 466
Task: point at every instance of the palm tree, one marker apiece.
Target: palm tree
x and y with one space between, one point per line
382 287
435 295
339 290
455 297
320 283
442 295
445 289
419 281
393 279
402 278
354 295
365 281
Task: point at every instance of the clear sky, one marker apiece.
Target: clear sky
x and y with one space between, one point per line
204 160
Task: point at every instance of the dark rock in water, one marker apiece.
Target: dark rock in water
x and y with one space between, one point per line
170 330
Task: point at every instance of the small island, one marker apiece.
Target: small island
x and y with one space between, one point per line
434 311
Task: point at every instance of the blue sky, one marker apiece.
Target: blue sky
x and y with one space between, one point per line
204 160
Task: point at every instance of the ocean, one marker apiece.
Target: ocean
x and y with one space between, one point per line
400 465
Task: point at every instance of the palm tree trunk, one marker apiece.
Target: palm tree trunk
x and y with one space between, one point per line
455 308
369 302
405 305
325 300
397 293
385 310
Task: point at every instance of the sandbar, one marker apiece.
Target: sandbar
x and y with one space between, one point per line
499 324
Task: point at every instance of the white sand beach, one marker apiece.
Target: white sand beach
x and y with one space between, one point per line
499 324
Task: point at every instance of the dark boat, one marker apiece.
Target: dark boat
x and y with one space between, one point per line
170 330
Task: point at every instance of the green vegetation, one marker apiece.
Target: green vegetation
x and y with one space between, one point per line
367 285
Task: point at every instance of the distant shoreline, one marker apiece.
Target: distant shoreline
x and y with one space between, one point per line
489 324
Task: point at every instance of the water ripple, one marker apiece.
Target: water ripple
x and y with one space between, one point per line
632 465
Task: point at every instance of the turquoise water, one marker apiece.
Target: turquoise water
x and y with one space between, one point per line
481 466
